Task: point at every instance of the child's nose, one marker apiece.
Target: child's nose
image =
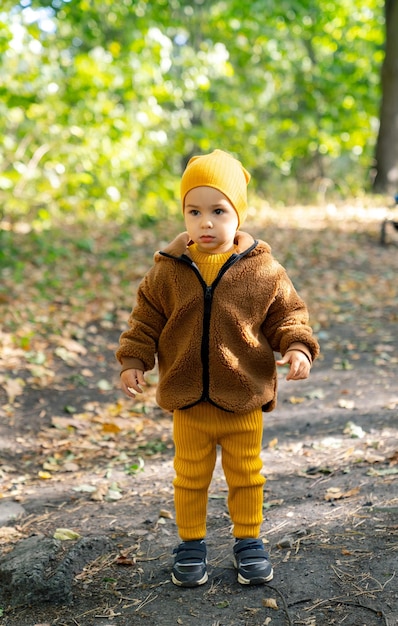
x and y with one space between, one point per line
206 222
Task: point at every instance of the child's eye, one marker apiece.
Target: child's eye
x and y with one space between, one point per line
218 211
194 212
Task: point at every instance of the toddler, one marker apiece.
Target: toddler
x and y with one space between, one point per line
214 308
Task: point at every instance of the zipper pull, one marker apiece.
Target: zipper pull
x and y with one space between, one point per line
208 292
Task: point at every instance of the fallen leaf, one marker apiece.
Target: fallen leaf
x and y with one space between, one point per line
134 468
44 475
349 452
110 427
354 431
165 513
125 561
71 345
372 457
335 493
393 460
13 387
316 394
113 495
100 493
270 503
384 348
85 488
346 404
66 534
343 365
273 443
270 603
296 400
70 466
104 385
50 467
87 373
70 409
383 472
69 357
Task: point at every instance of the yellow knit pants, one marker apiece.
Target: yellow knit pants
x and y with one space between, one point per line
197 432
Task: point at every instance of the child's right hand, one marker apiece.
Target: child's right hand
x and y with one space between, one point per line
131 381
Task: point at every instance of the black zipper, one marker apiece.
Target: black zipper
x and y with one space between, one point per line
204 350
208 293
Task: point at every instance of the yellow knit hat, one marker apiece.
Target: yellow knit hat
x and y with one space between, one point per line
221 171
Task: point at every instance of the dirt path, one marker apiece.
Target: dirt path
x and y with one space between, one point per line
331 503
77 456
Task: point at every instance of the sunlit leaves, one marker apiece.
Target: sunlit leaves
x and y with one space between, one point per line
102 103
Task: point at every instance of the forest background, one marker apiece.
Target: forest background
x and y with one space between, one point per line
102 103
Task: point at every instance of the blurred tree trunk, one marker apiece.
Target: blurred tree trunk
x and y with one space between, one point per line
386 180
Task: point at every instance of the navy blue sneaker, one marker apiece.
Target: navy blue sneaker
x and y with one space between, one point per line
189 569
252 562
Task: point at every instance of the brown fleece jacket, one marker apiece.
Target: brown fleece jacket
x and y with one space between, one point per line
217 343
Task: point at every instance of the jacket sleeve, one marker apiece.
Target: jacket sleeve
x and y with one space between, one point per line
140 342
287 319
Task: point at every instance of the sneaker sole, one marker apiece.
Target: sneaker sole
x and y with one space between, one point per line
257 580
195 583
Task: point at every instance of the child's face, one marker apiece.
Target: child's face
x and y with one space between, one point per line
210 219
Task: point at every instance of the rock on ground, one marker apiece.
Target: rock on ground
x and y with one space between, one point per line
41 569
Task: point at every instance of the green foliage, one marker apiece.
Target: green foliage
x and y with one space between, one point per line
102 103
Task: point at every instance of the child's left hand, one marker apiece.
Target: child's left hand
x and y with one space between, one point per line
299 365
